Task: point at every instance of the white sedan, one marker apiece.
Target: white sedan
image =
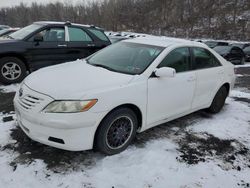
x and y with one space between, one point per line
102 101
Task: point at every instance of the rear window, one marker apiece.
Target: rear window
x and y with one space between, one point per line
99 34
77 35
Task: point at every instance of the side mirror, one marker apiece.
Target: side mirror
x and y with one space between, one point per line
38 38
165 72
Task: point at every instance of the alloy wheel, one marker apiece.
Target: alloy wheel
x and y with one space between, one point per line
119 132
11 71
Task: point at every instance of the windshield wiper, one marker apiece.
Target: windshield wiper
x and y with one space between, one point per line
104 66
9 37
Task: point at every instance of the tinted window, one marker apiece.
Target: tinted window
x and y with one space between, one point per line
77 34
126 57
204 59
99 34
51 34
179 59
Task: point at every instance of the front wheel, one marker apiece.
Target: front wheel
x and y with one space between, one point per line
116 131
218 101
12 70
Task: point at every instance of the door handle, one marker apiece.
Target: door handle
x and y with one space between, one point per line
91 45
62 45
221 72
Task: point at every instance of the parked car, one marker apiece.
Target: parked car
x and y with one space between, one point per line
241 45
5 32
115 39
213 44
102 101
247 53
233 54
4 27
46 43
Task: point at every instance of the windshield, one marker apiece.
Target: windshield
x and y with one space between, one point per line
126 57
222 49
24 32
211 44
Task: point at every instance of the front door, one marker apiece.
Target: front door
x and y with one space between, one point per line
169 97
51 50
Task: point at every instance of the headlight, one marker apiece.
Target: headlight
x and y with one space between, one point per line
69 106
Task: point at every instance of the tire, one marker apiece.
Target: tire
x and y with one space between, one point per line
218 101
12 70
120 124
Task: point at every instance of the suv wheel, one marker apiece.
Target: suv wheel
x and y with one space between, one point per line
218 101
116 131
12 70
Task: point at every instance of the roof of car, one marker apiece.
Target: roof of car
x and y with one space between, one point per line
164 41
63 23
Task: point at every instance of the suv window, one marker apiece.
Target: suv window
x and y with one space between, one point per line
78 35
99 34
179 59
51 35
204 59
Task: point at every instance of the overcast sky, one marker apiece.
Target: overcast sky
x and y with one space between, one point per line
7 3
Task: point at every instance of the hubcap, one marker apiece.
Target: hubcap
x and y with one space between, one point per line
119 132
11 71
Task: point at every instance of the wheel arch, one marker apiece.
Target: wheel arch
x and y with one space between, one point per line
133 107
16 55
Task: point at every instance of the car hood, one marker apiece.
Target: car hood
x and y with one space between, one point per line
73 80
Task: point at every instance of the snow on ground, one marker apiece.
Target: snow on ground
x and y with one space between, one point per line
159 163
9 88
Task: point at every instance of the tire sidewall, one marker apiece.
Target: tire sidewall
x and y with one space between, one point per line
102 131
219 100
5 60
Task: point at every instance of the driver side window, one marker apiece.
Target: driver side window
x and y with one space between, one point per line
51 35
179 59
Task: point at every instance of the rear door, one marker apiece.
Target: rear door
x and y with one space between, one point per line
210 75
80 44
51 50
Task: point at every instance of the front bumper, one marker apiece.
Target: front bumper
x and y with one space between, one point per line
68 131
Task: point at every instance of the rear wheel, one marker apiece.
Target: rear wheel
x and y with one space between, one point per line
218 101
12 70
116 131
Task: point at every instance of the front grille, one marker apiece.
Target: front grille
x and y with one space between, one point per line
29 102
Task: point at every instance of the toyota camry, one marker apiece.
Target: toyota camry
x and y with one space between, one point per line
103 101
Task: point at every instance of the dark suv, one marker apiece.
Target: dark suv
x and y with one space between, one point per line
46 43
